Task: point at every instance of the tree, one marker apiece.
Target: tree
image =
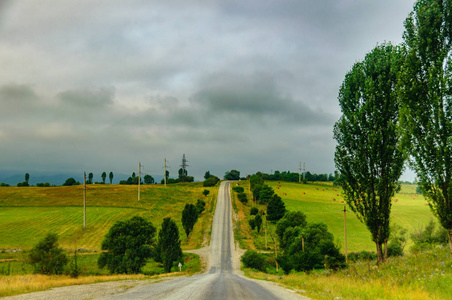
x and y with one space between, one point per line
276 208
207 175
27 177
368 154
211 181
426 114
182 174
111 175
168 248
189 217
258 220
70 181
256 180
265 194
148 179
232 175
128 245
46 257
90 178
290 219
200 206
104 176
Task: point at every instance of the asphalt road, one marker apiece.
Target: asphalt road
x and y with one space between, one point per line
221 281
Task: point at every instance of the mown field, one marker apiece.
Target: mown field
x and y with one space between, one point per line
27 214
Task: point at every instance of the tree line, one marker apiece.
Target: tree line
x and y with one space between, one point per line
397 108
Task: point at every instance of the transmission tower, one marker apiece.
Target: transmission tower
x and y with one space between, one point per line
183 168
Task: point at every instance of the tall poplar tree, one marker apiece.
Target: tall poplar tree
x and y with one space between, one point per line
426 92
368 153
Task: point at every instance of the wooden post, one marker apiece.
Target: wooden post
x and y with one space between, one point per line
84 200
139 179
345 234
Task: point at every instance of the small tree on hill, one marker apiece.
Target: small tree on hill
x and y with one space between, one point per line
168 248
265 194
148 179
104 176
276 208
70 181
27 177
46 258
189 217
90 178
232 175
258 221
128 244
111 175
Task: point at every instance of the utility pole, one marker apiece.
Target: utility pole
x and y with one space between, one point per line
345 234
304 172
139 179
164 176
299 175
183 167
84 200
265 232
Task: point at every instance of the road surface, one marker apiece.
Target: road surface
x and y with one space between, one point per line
221 281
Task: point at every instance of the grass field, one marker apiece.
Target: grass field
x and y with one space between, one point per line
321 202
27 214
424 275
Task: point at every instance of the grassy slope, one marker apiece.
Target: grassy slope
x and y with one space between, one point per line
427 275
316 201
27 214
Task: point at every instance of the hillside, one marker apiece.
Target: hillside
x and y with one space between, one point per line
28 213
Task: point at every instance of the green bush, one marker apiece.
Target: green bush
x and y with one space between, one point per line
254 211
254 260
46 258
252 223
206 192
363 255
242 197
238 189
211 181
200 206
189 217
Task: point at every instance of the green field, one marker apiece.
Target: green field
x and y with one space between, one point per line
316 200
27 214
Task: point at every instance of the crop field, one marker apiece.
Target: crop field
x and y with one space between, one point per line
321 202
27 214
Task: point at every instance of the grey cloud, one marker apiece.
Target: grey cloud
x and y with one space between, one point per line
88 98
255 95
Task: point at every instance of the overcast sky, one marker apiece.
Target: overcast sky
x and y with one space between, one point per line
249 85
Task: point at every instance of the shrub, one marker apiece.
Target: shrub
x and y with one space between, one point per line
70 181
211 181
252 223
242 197
254 211
200 206
429 235
254 260
258 220
206 192
238 189
46 258
363 255
128 244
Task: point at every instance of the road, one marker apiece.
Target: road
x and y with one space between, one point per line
221 281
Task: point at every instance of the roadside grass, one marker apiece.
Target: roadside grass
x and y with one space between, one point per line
16 276
427 275
27 214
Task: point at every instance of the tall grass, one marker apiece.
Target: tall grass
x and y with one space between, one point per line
427 275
